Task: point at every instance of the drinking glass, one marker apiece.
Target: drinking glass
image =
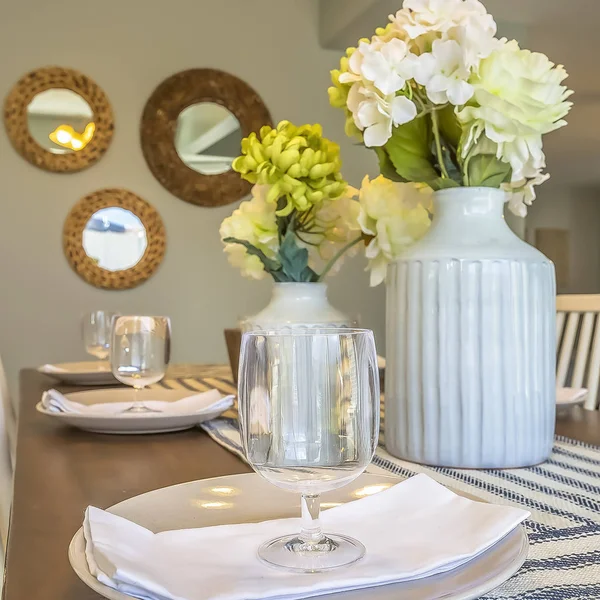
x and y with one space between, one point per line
309 413
139 353
96 328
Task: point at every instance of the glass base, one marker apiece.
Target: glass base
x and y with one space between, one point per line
293 554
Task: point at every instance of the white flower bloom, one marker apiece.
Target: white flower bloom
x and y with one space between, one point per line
375 115
518 98
523 193
465 21
355 62
388 65
338 219
254 222
395 215
444 74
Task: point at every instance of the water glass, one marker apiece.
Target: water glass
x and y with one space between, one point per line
309 415
96 328
140 352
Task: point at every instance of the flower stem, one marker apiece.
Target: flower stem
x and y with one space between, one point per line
438 143
338 255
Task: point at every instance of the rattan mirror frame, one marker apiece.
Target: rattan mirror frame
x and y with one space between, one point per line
159 123
17 128
85 267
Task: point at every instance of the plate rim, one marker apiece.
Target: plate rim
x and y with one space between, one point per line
101 417
483 588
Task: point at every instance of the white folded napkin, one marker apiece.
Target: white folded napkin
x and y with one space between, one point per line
199 403
414 529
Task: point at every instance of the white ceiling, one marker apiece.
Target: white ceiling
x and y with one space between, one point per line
568 31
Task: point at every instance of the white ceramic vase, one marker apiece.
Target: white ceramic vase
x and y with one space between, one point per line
298 305
470 375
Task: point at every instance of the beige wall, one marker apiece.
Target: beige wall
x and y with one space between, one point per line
129 47
578 211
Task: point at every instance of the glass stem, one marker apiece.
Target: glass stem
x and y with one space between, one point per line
136 397
311 532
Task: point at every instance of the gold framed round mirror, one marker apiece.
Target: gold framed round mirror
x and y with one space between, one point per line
113 239
191 130
58 119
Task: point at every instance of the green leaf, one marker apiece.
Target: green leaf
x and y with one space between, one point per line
409 150
386 168
271 266
294 260
442 183
449 126
486 170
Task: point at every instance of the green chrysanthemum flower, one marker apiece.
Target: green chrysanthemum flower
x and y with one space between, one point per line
298 164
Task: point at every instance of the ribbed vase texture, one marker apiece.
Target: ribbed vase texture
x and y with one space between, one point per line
470 375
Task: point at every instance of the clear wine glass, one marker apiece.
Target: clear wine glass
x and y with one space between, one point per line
96 328
139 354
309 412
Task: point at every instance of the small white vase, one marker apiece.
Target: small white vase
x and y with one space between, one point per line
298 305
470 375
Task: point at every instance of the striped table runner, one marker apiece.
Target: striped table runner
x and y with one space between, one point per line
563 496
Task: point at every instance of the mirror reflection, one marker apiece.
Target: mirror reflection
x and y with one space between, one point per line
208 138
60 121
115 239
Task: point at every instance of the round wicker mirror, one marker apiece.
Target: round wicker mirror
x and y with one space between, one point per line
58 119
191 130
113 239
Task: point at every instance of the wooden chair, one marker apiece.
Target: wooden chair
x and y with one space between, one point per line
233 339
7 422
578 344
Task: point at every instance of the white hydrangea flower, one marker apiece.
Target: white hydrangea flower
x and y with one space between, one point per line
465 21
518 98
523 193
254 222
395 215
388 65
375 115
444 74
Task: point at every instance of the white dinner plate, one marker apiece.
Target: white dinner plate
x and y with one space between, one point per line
250 498
567 398
129 423
81 373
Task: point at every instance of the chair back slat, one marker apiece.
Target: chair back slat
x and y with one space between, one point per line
583 349
593 378
566 349
560 324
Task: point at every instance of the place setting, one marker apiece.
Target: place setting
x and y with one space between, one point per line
310 521
95 331
138 348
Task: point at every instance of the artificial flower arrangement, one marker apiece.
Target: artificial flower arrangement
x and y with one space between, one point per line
303 217
443 102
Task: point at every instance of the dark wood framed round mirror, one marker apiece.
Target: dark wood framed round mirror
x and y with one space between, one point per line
191 130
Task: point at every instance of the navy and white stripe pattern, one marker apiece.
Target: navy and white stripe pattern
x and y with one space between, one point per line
563 496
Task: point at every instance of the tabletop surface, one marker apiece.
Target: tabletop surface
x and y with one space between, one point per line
60 471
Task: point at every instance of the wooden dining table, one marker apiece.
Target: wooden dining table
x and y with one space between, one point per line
60 471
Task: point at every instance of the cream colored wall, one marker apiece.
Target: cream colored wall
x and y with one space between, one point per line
129 48
578 211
